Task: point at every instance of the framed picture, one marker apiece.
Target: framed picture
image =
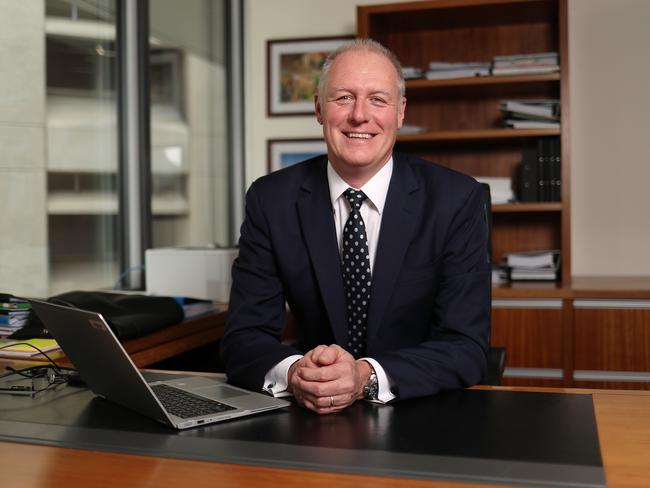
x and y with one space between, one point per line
285 152
293 71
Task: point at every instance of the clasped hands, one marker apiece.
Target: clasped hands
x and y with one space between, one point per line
328 379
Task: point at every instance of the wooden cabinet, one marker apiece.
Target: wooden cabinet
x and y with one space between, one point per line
532 332
612 343
461 115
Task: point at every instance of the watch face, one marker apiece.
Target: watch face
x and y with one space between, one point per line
371 389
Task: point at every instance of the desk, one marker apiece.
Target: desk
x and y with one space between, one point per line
156 346
621 417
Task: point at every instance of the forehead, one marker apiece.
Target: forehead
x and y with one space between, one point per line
363 69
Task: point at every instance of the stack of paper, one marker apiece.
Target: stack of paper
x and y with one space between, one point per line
519 64
13 313
500 188
532 266
440 70
531 114
27 348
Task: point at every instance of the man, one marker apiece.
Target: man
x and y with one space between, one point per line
381 257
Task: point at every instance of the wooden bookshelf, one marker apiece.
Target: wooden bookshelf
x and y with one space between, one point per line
463 123
477 135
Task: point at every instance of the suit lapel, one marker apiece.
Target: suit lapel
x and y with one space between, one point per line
397 227
317 222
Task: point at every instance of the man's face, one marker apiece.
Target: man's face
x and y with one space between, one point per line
361 110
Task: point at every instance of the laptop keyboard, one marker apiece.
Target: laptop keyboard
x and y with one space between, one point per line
185 405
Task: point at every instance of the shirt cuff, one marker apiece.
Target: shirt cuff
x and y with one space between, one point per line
385 394
276 380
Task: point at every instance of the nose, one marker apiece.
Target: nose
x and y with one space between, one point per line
359 113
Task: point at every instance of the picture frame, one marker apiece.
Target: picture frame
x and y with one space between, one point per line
282 153
293 71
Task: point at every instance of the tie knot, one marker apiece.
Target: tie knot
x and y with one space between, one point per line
355 197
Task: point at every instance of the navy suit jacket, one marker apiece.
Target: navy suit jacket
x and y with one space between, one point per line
429 315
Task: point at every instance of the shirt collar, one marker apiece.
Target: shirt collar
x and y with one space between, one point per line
376 188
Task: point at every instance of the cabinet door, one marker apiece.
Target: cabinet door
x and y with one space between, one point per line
612 344
531 332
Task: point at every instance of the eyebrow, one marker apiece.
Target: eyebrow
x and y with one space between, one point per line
374 92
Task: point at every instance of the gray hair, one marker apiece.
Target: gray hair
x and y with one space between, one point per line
369 45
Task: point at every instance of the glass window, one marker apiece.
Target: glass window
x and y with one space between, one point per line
81 156
58 134
58 130
188 123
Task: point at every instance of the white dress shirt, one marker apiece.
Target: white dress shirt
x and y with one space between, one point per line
376 189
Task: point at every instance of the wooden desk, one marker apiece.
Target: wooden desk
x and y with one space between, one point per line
157 346
623 428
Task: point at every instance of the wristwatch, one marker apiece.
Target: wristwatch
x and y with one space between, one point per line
371 389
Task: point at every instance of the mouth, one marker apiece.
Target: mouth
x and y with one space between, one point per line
359 135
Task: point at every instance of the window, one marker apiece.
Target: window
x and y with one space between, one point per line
59 171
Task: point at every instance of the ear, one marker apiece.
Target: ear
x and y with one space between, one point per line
401 111
318 109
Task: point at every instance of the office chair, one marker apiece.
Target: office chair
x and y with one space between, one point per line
496 355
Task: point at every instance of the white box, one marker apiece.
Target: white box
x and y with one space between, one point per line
194 272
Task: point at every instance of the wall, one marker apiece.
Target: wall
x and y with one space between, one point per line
284 19
23 239
610 136
610 107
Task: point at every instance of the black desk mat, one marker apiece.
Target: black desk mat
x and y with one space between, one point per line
531 439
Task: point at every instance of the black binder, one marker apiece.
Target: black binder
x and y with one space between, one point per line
528 175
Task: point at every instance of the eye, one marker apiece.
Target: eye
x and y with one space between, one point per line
377 101
344 98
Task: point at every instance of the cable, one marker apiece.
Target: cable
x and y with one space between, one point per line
125 274
54 365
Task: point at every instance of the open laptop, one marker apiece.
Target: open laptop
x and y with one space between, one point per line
105 366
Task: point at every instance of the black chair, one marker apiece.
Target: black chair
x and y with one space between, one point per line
496 355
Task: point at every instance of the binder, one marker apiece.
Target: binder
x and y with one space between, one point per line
528 175
556 164
541 170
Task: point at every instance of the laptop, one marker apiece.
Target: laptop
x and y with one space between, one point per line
107 369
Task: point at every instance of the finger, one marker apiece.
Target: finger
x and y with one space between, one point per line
322 374
341 354
315 353
328 355
332 404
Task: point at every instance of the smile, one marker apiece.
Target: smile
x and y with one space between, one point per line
357 135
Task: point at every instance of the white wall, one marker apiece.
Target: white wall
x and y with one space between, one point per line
610 110
610 136
23 239
284 19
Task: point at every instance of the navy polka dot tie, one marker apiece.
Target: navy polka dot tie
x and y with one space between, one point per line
356 273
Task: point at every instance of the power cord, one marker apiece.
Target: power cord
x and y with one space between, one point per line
52 373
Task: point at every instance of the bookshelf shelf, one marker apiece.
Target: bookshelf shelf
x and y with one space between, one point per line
527 207
422 84
477 135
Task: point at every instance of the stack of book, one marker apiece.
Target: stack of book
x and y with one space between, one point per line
540 172
412 72
521 64
412 129
13 314
441 71
532 266
24 349
531 114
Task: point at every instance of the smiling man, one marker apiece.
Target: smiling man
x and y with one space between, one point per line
381 257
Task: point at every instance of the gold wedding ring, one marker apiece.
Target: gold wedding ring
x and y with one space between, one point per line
331 401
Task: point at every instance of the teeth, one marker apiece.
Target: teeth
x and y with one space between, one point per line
355 135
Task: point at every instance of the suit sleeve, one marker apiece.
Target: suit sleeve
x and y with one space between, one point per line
256 315
454 354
